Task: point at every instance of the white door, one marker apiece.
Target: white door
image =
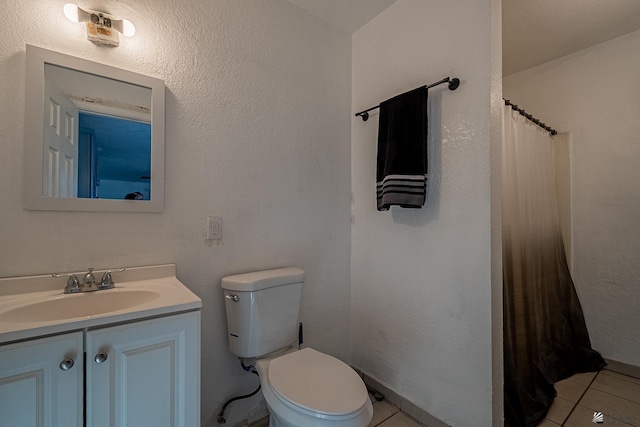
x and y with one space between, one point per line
60 156
41 382
145 374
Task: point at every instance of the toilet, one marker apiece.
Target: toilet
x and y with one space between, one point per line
301 387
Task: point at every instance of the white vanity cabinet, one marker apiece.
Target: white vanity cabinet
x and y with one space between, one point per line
41 382
122 357
143 374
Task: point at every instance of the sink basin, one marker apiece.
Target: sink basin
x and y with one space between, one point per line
34 306
78 305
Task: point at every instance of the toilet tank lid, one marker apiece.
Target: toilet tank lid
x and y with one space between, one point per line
257 280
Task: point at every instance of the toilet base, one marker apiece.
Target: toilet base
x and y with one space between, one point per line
273 421
362 420
282 414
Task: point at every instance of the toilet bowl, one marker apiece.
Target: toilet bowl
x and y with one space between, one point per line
309 388
302 388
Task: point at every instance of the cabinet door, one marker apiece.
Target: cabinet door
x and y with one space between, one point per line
41 382
145 374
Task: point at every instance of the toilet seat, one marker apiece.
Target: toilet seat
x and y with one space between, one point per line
317 382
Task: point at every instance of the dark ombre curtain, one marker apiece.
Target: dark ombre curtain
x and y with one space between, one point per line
545 335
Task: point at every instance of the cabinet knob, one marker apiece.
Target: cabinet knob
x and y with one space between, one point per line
66 364
101 357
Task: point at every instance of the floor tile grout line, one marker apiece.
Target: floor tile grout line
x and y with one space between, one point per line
390 404
610 415
619 375
581 396
623 379
388 416
616 396
399 411
385 419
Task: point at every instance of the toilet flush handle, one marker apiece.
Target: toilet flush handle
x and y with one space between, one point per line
234 298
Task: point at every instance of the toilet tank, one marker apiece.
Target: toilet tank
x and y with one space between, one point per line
262 310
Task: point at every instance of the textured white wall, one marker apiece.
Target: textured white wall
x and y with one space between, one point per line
595 95
257 131
421 279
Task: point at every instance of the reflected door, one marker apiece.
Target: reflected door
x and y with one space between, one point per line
60 157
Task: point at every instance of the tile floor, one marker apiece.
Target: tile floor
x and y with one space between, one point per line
617 396
384 415
387 415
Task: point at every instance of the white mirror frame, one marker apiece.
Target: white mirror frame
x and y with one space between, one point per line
33 199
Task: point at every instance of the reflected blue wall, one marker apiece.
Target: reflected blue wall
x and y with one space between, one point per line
114 156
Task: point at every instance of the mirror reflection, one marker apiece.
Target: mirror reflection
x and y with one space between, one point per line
114 157
97 137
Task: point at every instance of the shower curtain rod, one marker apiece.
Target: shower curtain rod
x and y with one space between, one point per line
453 85
530 117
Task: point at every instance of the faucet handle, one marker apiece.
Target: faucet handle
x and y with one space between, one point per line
107 281
73 285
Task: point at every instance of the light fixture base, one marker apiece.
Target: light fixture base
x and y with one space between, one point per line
101 35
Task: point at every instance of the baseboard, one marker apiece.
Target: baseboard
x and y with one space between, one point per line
622 368
403 403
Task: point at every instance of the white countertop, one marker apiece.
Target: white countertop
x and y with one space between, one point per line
170 296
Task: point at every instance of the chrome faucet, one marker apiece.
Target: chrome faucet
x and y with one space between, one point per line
88 281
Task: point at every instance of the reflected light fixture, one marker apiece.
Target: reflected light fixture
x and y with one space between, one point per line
101 27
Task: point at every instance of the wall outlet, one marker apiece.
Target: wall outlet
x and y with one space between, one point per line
214 228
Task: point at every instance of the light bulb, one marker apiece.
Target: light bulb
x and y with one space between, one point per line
71 12
128 29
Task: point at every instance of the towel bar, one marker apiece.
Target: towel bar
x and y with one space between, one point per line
453 85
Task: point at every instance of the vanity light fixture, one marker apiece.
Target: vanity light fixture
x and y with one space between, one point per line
102 28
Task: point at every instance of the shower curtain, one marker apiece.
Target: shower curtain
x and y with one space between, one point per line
545 335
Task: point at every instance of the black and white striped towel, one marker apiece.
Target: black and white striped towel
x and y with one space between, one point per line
401 175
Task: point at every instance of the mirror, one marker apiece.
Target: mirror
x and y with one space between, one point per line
94 136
